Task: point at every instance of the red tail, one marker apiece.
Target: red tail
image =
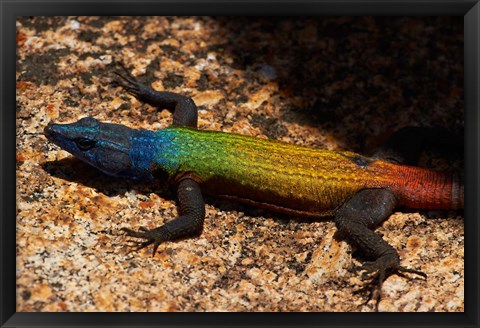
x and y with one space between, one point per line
426 189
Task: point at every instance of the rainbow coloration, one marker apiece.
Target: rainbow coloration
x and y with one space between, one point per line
360 192
285 177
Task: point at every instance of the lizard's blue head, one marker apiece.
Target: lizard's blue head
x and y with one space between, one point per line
105 146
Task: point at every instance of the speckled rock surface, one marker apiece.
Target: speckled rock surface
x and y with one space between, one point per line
335 83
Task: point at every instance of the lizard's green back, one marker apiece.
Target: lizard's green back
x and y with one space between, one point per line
272 173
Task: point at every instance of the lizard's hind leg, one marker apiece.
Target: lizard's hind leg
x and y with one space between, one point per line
368 208
355 220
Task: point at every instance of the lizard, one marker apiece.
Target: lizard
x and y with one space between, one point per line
359 192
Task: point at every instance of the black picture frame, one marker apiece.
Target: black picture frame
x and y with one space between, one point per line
10 10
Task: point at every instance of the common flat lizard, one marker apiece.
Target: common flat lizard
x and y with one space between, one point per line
358 191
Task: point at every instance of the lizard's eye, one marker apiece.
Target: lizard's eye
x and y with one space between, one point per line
84 143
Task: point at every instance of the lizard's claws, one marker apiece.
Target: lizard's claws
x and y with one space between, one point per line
139 245
381 271
127 81
152 236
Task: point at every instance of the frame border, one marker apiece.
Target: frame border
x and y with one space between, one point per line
10 9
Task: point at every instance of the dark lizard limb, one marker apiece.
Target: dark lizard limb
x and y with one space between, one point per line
190 221
214 158
183 108
355 219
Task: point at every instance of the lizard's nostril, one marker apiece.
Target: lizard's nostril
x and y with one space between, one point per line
49 130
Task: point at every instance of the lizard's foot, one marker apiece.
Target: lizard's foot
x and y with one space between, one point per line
381 269
153 236
130 83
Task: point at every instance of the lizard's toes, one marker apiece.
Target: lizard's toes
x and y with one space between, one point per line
136 245
144 233
155 247
417 272
369 268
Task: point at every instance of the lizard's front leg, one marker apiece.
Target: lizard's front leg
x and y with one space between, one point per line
355 219
184 109
190 221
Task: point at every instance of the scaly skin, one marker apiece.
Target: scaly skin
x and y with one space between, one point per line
359 192
285 177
